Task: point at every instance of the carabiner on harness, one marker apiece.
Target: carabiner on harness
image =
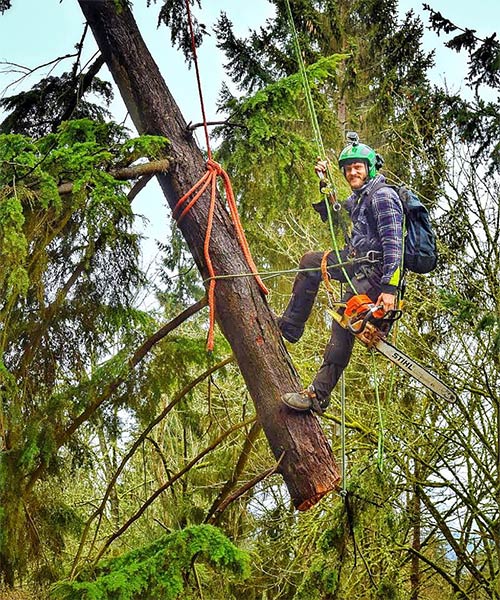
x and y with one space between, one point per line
373 256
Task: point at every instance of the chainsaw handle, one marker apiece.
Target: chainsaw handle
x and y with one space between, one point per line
389 317
364 317
392 315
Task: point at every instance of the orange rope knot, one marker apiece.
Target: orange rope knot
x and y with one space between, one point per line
214 170
210 179
214 166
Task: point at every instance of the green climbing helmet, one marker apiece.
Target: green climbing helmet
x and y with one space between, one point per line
355 151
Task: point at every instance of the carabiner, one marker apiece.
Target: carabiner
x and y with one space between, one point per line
373 256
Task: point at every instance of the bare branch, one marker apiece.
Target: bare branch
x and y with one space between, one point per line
170 482
177 398
242 490
27 71
193 126
242 461
138 186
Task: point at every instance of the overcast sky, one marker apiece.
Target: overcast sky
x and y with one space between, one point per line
34 32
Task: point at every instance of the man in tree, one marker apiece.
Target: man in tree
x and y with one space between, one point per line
377 228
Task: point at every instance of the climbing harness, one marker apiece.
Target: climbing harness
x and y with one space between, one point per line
209 179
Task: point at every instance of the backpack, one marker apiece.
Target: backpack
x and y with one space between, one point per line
420 251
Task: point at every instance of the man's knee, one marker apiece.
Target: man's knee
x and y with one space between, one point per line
337 355
310 260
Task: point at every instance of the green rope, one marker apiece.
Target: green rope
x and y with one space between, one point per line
322 154
317 132
343 451
307 88
395 328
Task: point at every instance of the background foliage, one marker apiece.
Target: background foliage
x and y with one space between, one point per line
131 463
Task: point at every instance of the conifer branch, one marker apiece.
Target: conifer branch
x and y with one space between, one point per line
112 386
144 172
150 168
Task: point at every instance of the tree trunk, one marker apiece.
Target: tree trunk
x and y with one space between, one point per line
307 465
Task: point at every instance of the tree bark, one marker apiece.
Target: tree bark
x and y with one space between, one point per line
307 465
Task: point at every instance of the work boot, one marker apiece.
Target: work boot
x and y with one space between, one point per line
305 400
291 331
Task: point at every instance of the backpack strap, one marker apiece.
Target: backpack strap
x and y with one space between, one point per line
367 198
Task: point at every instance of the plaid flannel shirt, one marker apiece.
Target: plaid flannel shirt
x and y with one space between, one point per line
382 230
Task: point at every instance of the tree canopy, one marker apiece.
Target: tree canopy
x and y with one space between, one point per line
132 463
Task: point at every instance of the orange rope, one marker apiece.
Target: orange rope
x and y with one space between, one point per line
198 78
324 272
204 182
210 179
208 260
195 193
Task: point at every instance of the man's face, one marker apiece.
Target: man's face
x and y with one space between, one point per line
356 174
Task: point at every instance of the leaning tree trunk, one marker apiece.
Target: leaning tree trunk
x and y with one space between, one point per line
307 465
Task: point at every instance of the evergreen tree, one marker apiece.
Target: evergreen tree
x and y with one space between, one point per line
383 75
69 278
420 514
476 119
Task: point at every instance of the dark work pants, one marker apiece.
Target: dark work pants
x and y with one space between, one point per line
305 288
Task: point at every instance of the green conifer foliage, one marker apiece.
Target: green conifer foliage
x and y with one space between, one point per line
160 570
384 64
40 110
68 276
476 117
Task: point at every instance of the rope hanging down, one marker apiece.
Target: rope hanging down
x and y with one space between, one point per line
209 179
316 130
321 151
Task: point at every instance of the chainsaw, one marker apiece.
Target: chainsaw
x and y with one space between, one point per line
370 325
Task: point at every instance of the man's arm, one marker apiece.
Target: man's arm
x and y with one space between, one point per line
388 213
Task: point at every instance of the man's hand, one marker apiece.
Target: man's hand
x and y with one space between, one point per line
321 167
388 301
